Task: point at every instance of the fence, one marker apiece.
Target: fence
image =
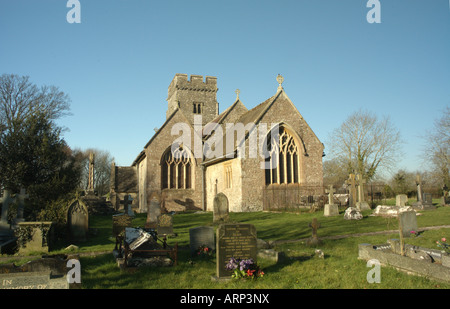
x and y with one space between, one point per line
293 197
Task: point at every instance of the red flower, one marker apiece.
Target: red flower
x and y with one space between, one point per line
250 272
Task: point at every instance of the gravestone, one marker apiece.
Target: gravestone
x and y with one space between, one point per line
78 221
221 210
165 225
31 281
6 201
201 236
126 202
120 222
427 200
234 241
407 222
401 200
445 196
153 210
424 201
314 240
352 190
48 272
361 204
34 236
330 209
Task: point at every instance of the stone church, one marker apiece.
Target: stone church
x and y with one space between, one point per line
248 155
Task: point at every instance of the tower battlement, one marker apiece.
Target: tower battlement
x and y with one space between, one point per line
194 95
181 82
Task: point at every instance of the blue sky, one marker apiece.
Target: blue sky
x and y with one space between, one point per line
117 63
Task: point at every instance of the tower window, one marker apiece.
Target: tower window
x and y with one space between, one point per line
197 108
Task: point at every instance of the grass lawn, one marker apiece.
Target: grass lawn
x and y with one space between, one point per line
340 269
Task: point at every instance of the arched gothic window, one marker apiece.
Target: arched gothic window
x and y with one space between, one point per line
176 169
284 159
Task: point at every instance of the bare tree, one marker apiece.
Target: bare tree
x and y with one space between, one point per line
365 144
437 150
19 99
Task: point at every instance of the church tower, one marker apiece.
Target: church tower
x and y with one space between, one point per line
193 97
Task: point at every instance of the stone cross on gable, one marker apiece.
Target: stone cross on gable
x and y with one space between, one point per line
6 201
330 192
237 94
352 183
21 204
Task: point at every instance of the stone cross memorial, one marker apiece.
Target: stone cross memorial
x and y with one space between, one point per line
352 184
234 241
127 201
314 225
330 209
361 204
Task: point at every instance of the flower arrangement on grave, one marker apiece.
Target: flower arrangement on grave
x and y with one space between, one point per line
244 269
204 251
414 233
443 244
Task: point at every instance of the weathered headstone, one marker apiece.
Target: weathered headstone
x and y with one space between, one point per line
34 236
330 209
153 210
165 225
119 223
201 236
427 200
78 221
401 200
234 241
407 222
314 240
221 210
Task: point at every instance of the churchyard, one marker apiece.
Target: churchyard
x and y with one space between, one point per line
331 261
